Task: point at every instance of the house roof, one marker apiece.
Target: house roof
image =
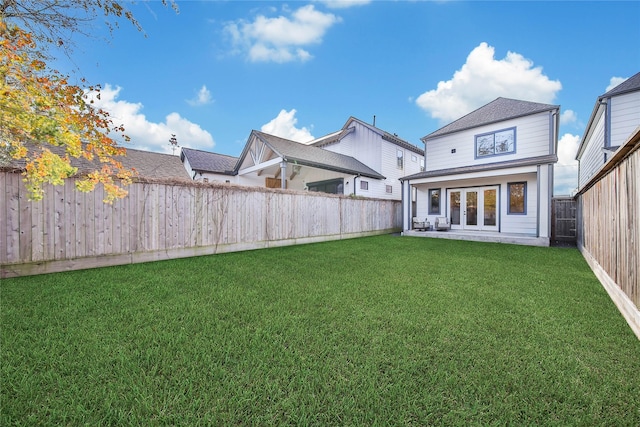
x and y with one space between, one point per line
206 161
346 129
154 165
540 160
148 165
632 84
497 110
306 155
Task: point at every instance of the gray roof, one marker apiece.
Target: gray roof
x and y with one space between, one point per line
632 84
306 155
155 165
147 164
540 160
206 161
497 110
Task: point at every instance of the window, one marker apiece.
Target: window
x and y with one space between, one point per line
434 201
414 158
496 143
332 186
364 185
399 156
517 198
421 165
390 189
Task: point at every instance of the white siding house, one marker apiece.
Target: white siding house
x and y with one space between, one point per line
271 161
359 160
490 171
615 116
378 149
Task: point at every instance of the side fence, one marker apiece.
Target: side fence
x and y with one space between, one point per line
609 229
69 230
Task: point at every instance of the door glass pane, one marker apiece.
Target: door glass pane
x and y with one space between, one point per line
472 208
455 207
490 207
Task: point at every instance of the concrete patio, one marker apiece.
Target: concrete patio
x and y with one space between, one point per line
481 236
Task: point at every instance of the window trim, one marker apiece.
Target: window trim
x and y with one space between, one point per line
389 189
524 197
431 192
364 185
493 133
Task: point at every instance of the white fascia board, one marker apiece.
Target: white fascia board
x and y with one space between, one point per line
475 175
261 166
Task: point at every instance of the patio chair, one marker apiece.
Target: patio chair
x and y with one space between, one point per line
421 225
442 223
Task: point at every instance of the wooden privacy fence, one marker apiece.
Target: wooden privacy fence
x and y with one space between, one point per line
70 230
609 228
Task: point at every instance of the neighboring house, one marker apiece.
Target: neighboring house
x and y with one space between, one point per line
359 159
490 171
150 165
207 166
275 162
380 150
147 165
615 116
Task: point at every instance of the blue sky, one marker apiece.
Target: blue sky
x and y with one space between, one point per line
300 69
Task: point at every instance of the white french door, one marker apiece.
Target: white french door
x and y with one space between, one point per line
473 208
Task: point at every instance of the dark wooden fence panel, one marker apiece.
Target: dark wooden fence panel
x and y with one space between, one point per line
563 221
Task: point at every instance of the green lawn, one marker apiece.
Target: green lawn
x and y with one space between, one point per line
374 331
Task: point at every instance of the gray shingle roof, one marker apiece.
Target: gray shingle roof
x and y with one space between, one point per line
155 165
206 161
306 155
497 110
148 164
632 84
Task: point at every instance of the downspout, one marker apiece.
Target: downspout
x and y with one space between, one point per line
607 125
283 174
538 202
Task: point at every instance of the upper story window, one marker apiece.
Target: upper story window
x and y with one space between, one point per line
399 156
414 158
421 165
496 143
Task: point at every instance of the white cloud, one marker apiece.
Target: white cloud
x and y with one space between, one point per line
482 79
281 39
343 4
203 97
568 117
284 126
615 81
566 170
147 135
